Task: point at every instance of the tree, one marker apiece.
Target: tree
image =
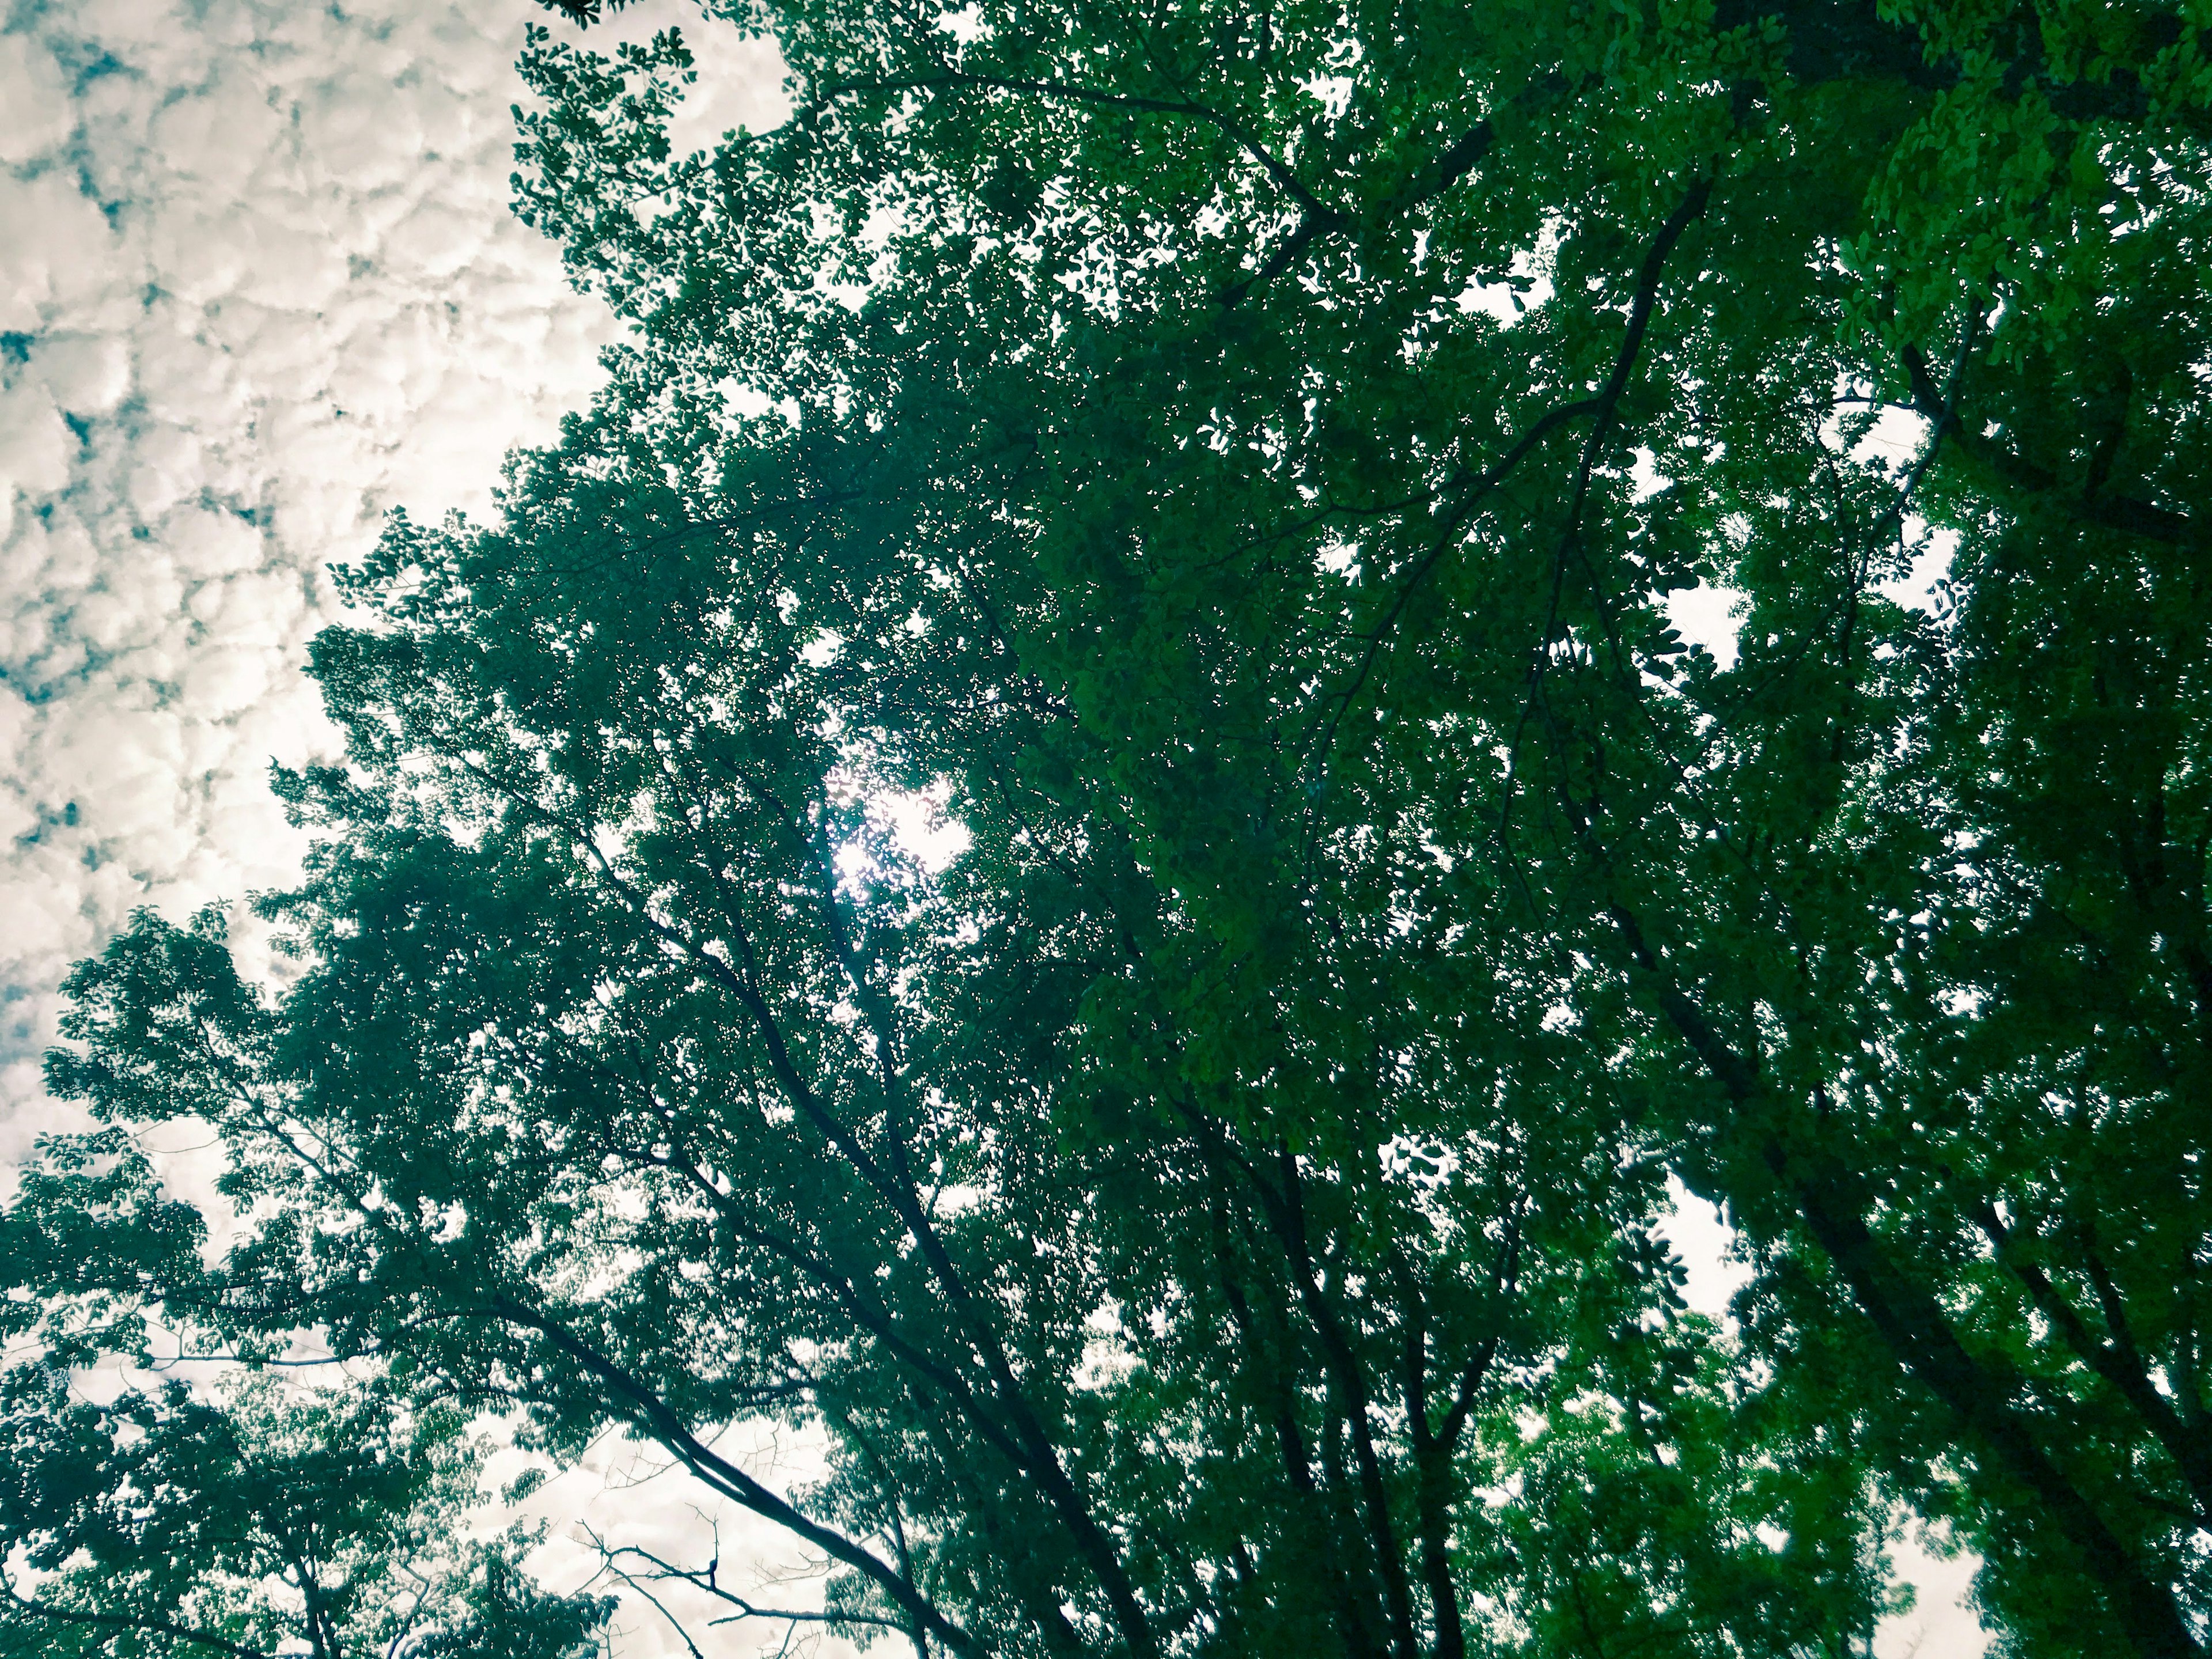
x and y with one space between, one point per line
1239 463
649 1081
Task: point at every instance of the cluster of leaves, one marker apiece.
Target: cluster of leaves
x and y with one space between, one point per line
1240 465
259 1521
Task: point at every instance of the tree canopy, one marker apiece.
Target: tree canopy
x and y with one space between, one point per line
1243 466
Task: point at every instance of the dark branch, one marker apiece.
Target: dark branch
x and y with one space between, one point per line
2127 514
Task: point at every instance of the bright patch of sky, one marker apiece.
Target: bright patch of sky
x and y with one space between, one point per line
1707 615
1705 1243
1526 285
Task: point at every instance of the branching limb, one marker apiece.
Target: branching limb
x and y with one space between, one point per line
2128 514
2117 1361
1917 1332
737 970
654 1415
612 1558
1599 408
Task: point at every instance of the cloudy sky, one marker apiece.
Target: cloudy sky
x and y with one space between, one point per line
258 285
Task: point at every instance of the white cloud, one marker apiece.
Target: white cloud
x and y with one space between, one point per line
35 112
260 284
35 441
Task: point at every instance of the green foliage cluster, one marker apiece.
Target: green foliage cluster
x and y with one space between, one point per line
258 1521
1242 464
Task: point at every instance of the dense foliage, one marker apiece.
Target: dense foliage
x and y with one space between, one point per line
1239 463
255 1520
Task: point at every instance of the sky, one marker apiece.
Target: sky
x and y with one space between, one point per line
258 285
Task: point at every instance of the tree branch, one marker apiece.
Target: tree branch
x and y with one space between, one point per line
2128 514
659 1419
1914 1327
2117 1361
1599 406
